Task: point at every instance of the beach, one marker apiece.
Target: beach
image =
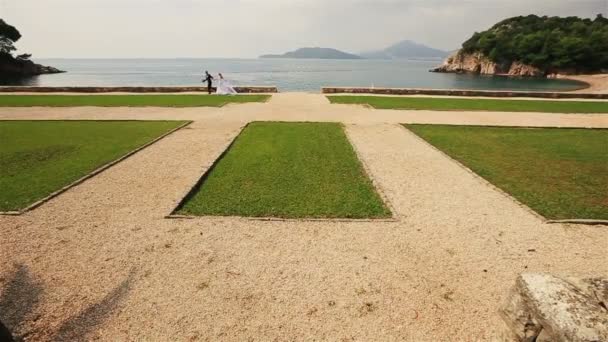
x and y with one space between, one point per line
598 83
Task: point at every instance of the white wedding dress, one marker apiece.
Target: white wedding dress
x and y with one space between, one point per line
224 87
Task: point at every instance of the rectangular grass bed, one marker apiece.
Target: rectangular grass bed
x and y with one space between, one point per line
126 100
560 173
41 157
453 104
287 170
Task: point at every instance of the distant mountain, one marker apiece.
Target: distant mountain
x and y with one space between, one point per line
317 53
406 49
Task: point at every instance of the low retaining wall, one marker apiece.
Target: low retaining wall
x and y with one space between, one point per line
456 92
244 89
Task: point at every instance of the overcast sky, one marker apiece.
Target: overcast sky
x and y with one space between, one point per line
248 28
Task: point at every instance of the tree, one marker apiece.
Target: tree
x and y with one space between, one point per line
8 36
24 56
549 43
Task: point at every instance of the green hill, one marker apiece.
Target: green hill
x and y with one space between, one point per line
552 44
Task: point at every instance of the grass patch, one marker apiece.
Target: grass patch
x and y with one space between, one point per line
447 104
560 173
40 157
288 170
126 100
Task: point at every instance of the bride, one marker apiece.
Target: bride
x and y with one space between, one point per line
224 87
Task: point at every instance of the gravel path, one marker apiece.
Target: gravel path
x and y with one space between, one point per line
309 107
101 262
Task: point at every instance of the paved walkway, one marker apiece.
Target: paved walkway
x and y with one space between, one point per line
101 260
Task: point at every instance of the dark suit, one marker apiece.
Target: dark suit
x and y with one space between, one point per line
209 79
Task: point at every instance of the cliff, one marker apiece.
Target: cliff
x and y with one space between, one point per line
478 63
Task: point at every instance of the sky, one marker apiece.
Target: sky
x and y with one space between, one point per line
249 28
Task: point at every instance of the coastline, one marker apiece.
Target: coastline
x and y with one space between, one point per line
597 83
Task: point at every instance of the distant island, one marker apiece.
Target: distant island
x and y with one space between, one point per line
406 49
20 65
315 53
534 46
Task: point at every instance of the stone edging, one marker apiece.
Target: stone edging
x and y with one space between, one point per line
206 174
581 221
92 173
504 193
279 219
243 89
466 93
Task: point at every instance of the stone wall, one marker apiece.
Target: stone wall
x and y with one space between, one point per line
455 92
244 89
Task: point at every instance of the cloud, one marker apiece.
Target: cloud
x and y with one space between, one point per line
247 28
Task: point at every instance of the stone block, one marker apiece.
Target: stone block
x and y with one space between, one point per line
542 307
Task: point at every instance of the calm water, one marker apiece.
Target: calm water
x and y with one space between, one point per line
288 75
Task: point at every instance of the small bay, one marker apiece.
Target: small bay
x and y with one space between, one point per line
287 74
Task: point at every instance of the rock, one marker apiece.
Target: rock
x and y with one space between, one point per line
520 69
542 307
16 67
478 63
460 62
594 287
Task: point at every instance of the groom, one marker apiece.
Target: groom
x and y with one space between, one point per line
209 79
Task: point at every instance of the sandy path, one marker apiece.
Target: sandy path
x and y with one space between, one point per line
101 261
81 243
308 107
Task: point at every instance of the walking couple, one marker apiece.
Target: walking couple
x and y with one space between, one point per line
223 86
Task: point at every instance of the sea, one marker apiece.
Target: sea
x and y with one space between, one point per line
305 75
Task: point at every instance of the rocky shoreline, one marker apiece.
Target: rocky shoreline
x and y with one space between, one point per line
24 68
478 63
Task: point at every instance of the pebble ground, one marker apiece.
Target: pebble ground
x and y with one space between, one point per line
101 261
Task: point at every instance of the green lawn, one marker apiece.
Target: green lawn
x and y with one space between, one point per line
447 104
560 173
40 157
288 170
126 100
